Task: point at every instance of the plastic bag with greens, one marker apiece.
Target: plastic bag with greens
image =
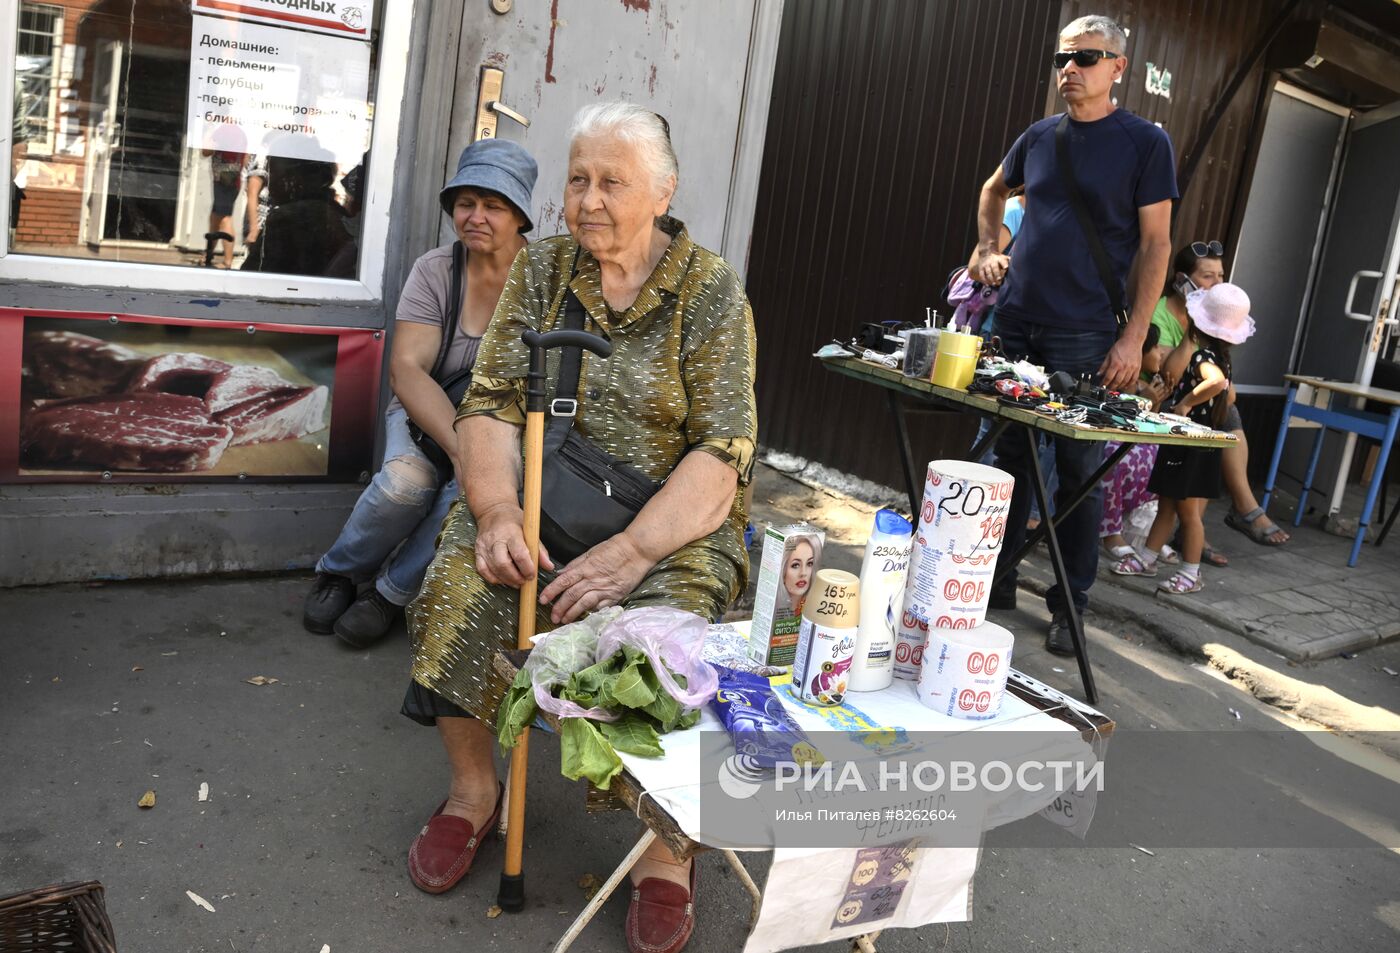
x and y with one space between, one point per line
617 680
559 654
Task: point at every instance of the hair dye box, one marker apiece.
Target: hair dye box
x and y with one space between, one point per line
791 557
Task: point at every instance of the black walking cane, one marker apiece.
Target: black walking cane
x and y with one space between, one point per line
511 896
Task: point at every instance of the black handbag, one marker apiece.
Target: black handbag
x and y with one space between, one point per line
587 495
1086 222
455 385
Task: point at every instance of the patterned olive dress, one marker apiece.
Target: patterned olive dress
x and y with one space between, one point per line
680 380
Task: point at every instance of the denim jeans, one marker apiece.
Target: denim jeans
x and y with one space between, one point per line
402 509
1077 352
1052 476
1047 463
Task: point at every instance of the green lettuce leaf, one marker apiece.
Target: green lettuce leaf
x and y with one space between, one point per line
634 734
517 711
634 686
584 753
665 709
586 687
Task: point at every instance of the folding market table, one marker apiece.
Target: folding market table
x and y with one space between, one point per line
1092 726
1339 415
897 387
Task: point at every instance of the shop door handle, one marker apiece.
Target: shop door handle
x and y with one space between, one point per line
1351 295
489 105
509 113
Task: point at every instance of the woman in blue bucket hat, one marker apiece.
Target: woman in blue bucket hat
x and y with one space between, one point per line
436 335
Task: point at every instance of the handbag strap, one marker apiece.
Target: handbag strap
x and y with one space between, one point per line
570 367
1086 222
454 309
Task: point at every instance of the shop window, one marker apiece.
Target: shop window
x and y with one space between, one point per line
144 127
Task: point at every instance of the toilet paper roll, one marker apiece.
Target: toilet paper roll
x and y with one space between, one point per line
964 671
961 524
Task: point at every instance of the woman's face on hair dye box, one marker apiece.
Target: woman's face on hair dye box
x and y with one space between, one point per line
797 571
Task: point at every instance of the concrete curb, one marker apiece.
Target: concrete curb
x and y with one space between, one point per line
1262 635
1209 644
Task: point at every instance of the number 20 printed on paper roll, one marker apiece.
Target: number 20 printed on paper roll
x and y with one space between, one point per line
961 524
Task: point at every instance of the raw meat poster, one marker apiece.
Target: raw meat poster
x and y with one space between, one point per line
85 398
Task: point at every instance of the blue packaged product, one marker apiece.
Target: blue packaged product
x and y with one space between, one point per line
756 721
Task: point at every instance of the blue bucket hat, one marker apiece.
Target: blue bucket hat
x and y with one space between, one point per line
499 165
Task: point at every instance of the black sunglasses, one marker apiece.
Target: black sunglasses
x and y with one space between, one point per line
1208 249
1082 58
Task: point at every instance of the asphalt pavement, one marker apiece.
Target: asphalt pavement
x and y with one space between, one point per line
317 785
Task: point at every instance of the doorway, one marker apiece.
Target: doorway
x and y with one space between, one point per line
705 65
1317 254
133 183
1280 242
1361 236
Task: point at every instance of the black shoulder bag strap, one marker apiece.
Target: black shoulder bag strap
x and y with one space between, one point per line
454 309
1086 222
570 367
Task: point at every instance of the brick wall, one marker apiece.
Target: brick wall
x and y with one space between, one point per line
49 217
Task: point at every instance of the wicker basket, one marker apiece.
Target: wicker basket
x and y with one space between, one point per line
61 917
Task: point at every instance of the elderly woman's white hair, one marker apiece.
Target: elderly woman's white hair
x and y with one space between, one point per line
635 125
1114 37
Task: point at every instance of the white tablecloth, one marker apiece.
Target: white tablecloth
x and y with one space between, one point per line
815 895
674 781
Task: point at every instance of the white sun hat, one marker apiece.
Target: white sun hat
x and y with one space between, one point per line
1222 312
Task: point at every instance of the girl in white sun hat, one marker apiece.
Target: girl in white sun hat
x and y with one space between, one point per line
1184 478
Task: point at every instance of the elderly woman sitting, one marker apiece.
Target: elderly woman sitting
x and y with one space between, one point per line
675 398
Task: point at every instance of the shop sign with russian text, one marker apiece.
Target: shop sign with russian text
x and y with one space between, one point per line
338 17
266 90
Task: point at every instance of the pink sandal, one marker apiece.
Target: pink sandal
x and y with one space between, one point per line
1132 565
1180 584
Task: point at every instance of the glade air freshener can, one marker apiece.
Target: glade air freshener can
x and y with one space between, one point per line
826 642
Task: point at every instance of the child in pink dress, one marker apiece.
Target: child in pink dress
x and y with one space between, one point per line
1125 487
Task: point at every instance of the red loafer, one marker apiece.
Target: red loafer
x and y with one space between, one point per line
444 849
662 915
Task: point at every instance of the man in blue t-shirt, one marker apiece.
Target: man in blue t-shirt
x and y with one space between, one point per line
1053 307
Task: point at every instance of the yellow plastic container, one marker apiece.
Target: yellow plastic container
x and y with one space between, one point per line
956 360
